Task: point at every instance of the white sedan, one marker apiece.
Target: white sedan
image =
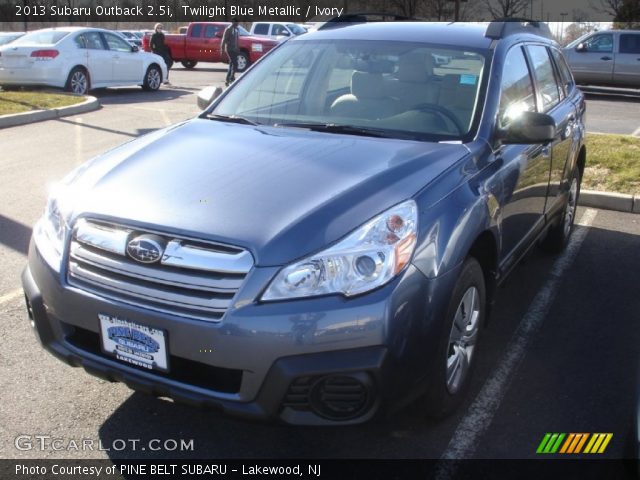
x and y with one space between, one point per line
78 59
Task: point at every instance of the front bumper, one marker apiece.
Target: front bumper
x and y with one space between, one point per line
262 361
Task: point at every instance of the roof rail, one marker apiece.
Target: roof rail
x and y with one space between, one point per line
363 17
502 27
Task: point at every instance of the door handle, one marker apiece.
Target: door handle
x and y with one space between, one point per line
605 58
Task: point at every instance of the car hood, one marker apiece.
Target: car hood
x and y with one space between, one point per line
282 193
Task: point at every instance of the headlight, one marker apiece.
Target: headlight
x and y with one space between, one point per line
366 259
49 233
256 47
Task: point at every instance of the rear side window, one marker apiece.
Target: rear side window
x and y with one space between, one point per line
516 91
545 78
261 29
563 69
629 43
210 31
196 30
93 41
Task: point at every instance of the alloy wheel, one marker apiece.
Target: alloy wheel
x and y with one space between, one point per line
462 339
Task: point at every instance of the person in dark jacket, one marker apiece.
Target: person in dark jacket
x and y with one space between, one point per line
160 48
230 45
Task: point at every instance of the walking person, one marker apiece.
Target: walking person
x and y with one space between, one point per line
231 47
160 48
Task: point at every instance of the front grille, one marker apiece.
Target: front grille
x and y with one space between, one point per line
192 278
224 380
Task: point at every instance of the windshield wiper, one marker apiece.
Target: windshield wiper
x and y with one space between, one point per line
231 119
337 128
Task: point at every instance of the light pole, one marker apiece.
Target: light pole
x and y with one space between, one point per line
562 16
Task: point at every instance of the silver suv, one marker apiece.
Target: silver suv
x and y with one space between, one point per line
608 58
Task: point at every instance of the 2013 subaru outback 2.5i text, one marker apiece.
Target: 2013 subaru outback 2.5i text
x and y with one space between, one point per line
324 240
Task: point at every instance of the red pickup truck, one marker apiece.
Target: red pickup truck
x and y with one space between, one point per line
202 42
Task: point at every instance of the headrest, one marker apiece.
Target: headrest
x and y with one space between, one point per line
412 68
367 85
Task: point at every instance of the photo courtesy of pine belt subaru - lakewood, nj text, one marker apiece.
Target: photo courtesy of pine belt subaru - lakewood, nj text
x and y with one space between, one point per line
323 242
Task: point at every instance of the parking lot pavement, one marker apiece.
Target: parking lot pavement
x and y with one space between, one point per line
609 111
575 372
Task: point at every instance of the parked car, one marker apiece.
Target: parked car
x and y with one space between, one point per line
202 44
131 37
78 59
324 240
278 30
8 37
607 58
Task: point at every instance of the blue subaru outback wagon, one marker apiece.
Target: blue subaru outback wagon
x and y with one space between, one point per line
324 241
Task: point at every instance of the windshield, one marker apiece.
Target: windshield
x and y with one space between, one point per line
41 37
398 88
243 32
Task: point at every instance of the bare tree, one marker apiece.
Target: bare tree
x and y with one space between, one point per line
609 7
506 8
406 7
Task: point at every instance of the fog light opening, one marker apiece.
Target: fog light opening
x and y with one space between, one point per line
341 397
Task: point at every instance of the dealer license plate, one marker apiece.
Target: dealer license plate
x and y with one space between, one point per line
133 343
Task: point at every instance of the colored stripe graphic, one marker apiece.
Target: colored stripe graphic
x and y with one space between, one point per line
574 443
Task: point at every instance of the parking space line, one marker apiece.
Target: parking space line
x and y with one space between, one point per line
165 117
79 156
7 297
480 414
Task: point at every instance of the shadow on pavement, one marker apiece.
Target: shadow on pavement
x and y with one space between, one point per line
14 235
127 95
139 131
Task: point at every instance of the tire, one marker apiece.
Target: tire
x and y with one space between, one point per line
189 64
458 346
152 79
78 81
242 62
557 237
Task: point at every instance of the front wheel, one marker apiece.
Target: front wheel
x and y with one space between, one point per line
242 62
189 64
77 81
152 79
457 349
558 236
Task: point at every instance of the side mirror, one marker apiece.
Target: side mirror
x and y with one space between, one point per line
134 48
529 128
285 33
208 95
581 47
219 33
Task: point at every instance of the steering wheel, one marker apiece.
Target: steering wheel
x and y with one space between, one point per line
443 112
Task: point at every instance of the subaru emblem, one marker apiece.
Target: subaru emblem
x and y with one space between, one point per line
146 248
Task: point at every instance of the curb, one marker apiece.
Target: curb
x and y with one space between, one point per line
90 104
618 202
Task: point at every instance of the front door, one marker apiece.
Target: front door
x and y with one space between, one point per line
525 168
